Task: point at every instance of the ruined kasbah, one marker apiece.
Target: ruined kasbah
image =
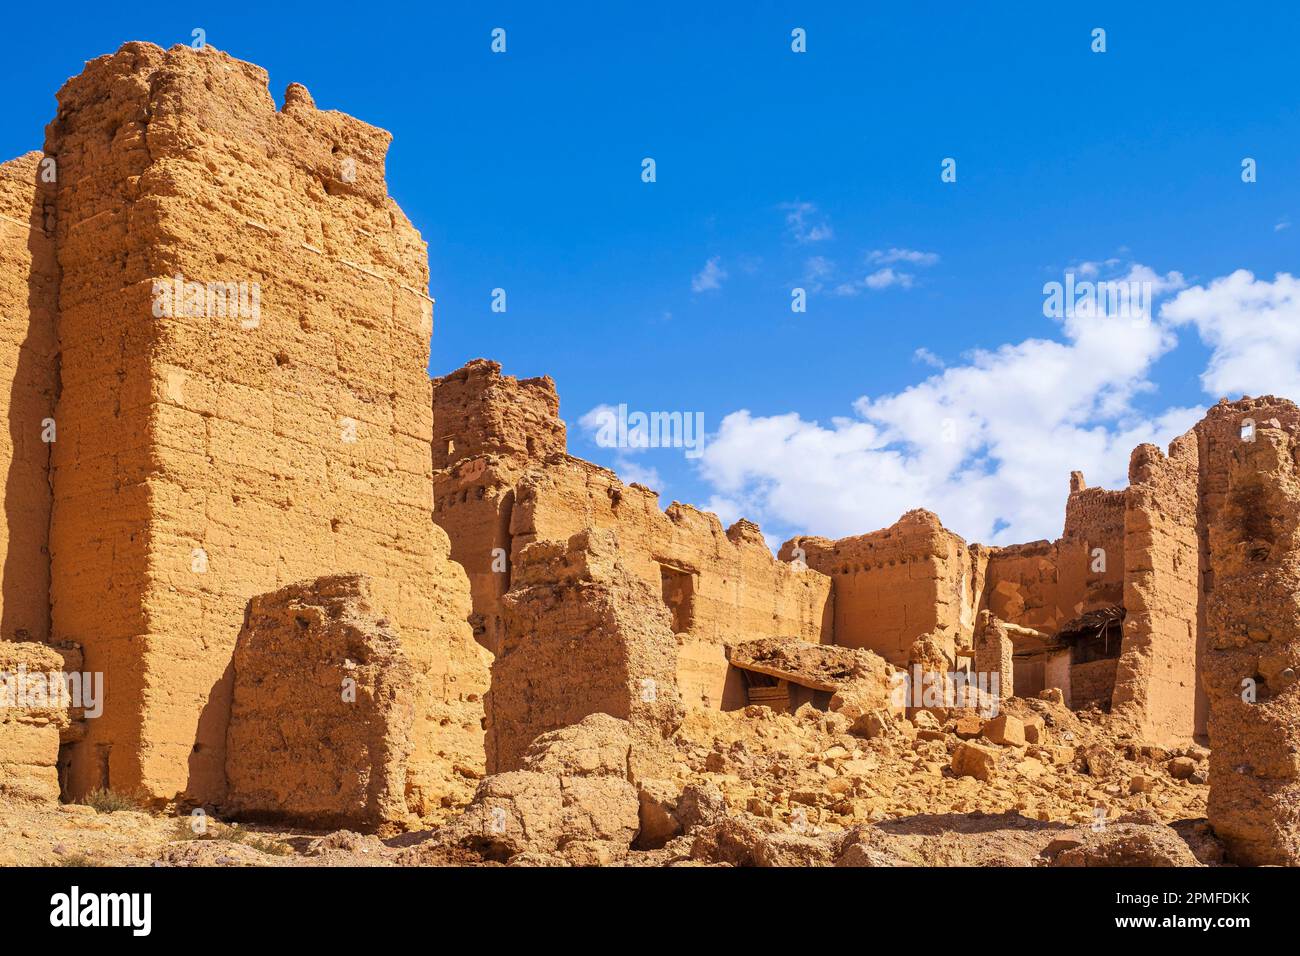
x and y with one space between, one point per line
274 595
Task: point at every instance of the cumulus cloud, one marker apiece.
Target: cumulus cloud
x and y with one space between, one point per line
884 278
1252 327
709 278
806 223
987 444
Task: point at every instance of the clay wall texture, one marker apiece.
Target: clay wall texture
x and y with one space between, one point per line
1092 683
205 459
583 636
895 585
1251 626
1043 584
322 710
1155 679
32 728
519 487
28 379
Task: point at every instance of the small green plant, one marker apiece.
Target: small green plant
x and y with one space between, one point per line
76 859
106 800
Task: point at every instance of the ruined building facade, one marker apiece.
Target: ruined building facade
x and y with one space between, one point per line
238 321
232 489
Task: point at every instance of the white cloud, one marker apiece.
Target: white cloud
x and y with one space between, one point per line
1252 327
929 358
880 279
806 223
910 256
886 277
630 471
988 444
710 277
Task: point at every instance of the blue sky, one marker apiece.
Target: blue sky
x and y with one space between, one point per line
821 171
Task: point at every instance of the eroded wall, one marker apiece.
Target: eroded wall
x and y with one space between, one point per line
206 458
347 764
28 379
583 636
518 486
1043 584
1217 436
1251 653
894 585
1155 679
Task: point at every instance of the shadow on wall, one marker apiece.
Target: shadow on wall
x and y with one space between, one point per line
207 761
25 586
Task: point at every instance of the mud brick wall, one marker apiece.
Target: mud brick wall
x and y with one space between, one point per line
1156 678
479 411
894 585
28 378
1251 620
322 711
211 458
1217 436
583 636
1091 551
518 486
31 728
1043 584
1092 683
1021 585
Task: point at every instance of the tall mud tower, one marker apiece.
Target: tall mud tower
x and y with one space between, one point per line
1252 617
244 328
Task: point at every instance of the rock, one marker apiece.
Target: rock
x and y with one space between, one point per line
701 804
1053 695
793 849
1127 844
1099 760
728 840
658 804
1141 784
1060 843
968 726
1006 730
1035 729
924 720
345 841
1032 769
595 746
1180 768
874 724
975 760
